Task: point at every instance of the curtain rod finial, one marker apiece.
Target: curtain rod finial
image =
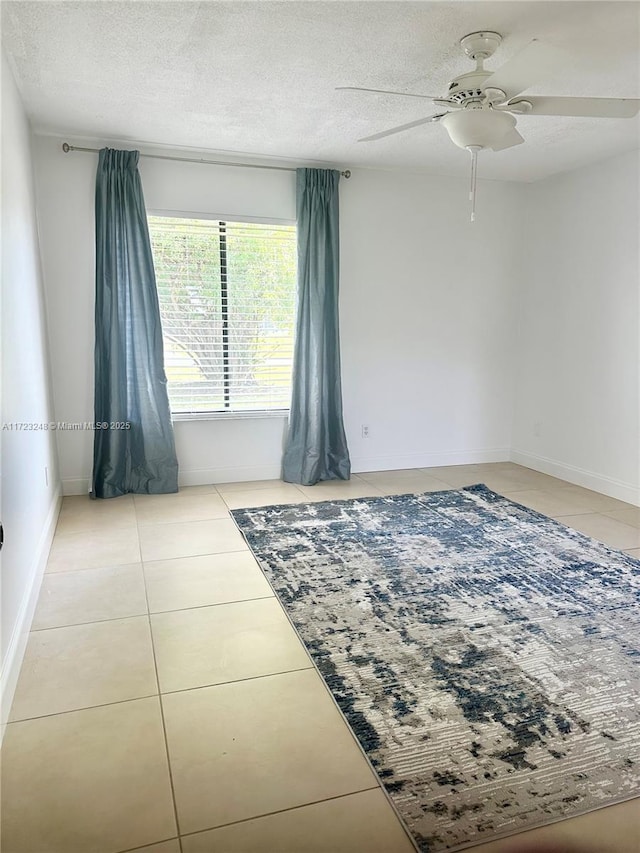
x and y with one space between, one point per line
66 147
346 173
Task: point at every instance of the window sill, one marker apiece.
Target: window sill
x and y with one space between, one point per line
179 417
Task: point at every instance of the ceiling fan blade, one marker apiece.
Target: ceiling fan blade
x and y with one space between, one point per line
508 141
384 92
588 107
402 127
530 65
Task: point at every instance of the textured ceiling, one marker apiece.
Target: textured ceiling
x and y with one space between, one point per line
260 77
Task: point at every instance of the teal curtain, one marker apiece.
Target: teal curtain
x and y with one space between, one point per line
316 447
133 448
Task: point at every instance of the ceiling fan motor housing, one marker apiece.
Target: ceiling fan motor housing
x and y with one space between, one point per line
477 128
467 87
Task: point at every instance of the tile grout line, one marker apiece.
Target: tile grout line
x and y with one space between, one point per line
160 704
88 569
83 708
188 556
147 846
213 604
151 613
90 622
105 528
159 694
279 811
236 680
163 521
205 554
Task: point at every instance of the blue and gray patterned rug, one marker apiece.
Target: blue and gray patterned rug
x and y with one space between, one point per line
486 657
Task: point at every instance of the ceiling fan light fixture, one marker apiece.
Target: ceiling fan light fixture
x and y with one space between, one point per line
475 129
478 128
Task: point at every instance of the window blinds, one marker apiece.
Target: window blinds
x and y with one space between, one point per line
227 302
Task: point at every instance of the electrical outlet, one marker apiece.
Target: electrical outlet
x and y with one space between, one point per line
365 430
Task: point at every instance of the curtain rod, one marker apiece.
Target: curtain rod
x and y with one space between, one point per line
66 148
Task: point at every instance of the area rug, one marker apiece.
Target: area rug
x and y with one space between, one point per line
486 657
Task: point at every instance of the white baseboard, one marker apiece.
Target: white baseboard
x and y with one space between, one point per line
273 471
18 642
79 486
579 476
236 474
197 477
397 462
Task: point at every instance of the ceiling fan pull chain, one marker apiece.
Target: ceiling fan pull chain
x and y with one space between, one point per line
471 183
474 178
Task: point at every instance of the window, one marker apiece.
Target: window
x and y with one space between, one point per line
227 303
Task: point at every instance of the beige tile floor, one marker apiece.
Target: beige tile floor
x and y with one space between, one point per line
166 705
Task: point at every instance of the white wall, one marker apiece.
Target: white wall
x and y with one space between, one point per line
428 302
427 307
29 504
577 404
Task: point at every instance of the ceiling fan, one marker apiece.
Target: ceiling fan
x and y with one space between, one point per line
479 105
